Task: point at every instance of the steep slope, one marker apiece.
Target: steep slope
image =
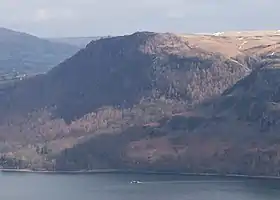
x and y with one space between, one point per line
123 70
256 97
143 101
21 53
235 133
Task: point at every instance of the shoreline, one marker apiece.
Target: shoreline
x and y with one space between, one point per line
119 171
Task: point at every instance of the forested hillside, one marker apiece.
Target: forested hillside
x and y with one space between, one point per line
161 101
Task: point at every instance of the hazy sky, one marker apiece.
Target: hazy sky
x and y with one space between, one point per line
56 18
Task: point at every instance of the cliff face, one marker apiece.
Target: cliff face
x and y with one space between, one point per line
152 101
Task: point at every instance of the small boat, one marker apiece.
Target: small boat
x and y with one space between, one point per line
135 182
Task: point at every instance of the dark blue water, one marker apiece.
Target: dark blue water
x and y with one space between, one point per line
14 186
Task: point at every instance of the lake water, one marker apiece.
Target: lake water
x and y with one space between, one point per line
15 186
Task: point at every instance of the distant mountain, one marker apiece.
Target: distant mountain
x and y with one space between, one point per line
80 42
21 53
151 101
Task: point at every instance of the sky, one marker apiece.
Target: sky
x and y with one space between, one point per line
75 18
